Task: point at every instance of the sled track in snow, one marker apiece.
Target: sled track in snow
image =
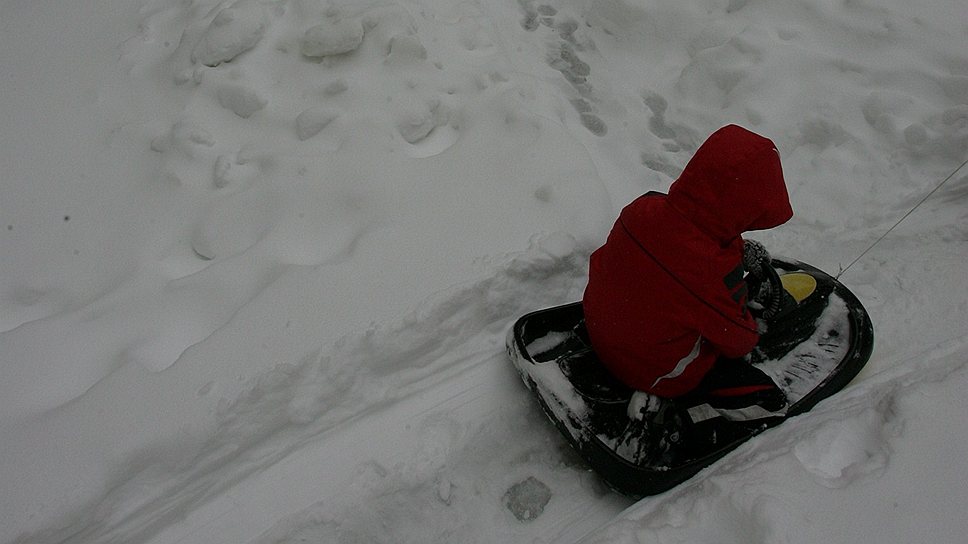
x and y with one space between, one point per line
424 413
413 460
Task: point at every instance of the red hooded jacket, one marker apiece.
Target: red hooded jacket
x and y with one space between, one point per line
665 294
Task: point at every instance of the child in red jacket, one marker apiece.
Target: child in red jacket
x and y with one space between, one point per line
666 298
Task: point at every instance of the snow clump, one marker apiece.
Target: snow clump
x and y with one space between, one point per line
233 31
241 100
310 122
332 38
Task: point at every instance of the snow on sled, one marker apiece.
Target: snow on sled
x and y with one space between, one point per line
816 343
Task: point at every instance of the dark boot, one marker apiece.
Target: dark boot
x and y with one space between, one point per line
739 391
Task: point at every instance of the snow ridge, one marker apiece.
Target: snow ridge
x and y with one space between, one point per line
293 405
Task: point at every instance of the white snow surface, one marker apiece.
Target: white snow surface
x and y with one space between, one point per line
249 294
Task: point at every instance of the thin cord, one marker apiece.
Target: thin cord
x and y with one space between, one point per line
901 220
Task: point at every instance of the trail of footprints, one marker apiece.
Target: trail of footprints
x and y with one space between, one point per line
563 56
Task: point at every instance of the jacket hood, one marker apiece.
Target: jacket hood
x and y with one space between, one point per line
733 184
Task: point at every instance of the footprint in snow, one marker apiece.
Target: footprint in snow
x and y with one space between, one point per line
527 499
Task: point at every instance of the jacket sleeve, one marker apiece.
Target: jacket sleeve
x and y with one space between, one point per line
729 327
727 324
730 339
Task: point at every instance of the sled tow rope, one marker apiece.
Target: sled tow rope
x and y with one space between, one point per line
901 220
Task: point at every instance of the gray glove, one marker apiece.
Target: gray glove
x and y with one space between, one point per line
755 256
757 261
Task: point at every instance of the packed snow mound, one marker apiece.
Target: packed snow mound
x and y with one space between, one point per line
260 257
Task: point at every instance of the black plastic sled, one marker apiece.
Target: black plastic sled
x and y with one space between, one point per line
817 341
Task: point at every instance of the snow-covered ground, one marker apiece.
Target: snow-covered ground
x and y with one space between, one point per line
258 257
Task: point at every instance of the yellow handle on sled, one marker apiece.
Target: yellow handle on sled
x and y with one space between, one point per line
799 285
